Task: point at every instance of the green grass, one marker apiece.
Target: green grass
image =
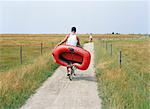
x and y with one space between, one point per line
128 87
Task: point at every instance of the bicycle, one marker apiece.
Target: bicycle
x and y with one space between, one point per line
71 71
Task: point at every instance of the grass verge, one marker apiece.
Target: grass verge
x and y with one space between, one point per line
126 87
16 85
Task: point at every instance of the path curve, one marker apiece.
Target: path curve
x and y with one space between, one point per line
58 92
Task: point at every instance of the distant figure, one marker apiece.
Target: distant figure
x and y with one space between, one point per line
71 39
90 37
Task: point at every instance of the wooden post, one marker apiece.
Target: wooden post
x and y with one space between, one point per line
111 49
106 45
120 58
41 48
21 54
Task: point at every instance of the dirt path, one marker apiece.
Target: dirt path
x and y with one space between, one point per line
58 92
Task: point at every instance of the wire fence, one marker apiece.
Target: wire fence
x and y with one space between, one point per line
21 51
122 58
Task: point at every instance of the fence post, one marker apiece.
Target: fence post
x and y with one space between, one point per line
120 58
106 45
111 49
21 54
41 48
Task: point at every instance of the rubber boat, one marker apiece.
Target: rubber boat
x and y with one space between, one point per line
66 55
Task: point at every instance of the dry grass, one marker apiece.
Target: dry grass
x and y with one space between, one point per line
18 82
10 48
31 43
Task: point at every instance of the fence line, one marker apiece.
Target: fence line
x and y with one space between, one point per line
21 54
120 63
21 50
41 48
120 58
110 49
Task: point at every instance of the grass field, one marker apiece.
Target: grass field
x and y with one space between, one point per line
18 82
127 87
31 45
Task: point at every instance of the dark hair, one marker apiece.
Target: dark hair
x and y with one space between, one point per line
73 29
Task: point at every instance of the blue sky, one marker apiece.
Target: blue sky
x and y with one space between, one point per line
88 16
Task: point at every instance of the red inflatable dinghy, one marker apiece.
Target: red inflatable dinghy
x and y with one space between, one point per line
66 54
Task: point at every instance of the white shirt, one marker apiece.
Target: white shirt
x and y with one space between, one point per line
90 36
72 40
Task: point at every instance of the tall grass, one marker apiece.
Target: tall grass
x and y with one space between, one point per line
17 85
18 82
127 87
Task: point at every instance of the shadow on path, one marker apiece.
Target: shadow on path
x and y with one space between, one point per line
86 78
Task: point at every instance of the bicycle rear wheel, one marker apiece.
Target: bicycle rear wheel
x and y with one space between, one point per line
71 74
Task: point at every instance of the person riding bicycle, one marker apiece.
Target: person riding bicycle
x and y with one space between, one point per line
71 39
90 37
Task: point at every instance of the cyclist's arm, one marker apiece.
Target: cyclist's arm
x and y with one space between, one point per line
78 42
63 41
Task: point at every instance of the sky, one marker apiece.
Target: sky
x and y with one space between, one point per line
46 16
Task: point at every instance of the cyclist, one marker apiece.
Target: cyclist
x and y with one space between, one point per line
90 37
71 39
